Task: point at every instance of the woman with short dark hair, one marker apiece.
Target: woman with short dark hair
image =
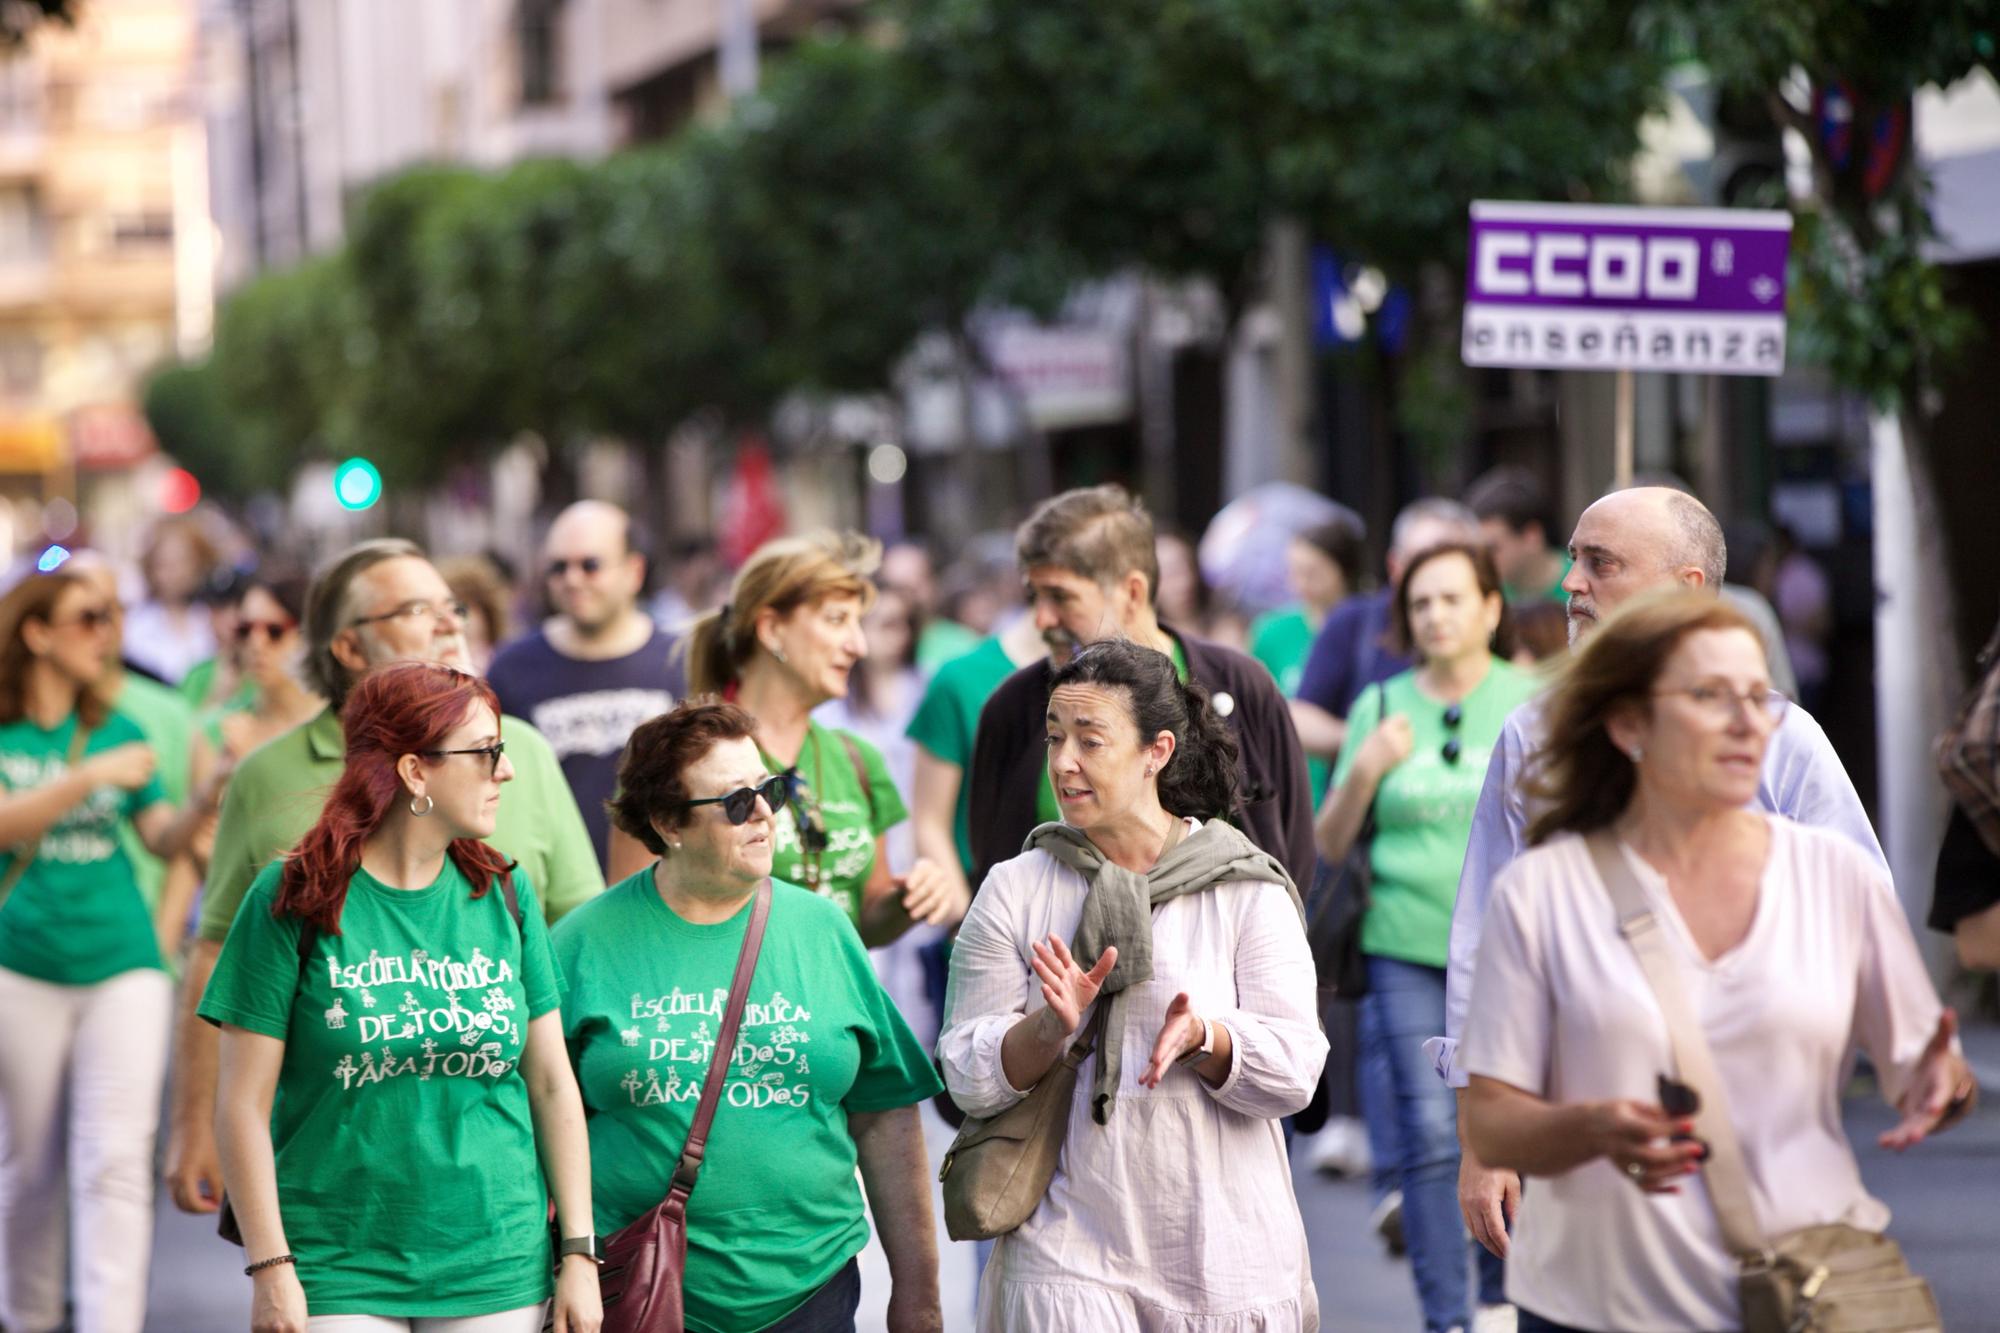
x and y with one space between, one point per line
1172 1204
824 1076
1786 948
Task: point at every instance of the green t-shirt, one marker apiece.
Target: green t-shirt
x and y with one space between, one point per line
77 915
947 722
199 680
1423 809
942 641
407 1175
276 793
853 821
1047 808
776 1212
1282 640
168 726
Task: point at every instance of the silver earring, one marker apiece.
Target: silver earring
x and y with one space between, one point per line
1637 754
1149 770
779 653
429 804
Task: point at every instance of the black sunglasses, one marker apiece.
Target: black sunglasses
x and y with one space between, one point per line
590 564
1454 716
274 630
737 806
492 753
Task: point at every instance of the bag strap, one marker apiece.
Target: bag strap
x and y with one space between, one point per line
860 771
688 1170
27 858
1724 1173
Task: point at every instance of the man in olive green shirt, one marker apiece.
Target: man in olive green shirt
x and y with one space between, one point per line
378 602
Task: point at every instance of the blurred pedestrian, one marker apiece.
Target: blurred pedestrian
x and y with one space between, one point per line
215 681
1802 596
387 1163
595 669
693 581
170 631
1089 560
379 602
269 645
1354 648
1541 633
1424 738
489 605
1647 539
1171 1204
1782 948
784 643
82 980
1516 520
823 1078
1323 568
1965 893
908 568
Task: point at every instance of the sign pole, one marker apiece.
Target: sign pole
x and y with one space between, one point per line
1622 467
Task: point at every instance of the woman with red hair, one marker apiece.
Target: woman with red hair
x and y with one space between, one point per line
402 1019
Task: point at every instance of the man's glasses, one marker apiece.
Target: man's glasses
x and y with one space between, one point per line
1454 717
274 630
416 610
739 805
1720 703
492 753
589 565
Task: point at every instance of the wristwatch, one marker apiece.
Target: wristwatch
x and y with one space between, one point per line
1203 1051
587 1246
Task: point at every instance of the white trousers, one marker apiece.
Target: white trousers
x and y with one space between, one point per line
527 1319
80 1075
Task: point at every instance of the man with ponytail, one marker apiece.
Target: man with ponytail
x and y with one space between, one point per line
379 602
394 1082
1088 559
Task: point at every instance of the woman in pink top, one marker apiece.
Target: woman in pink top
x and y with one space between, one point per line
1787 941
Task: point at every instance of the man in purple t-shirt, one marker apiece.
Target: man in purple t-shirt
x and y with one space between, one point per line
597 668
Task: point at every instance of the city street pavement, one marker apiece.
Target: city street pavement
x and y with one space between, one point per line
1943 1194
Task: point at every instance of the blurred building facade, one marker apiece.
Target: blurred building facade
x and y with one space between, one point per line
105 246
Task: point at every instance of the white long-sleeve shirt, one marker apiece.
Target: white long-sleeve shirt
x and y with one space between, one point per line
1562 1009
1803 780
1179 1212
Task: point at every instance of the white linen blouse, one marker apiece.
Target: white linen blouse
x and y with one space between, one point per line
1178 1215
1561 1009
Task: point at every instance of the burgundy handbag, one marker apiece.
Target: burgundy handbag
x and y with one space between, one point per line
644 1260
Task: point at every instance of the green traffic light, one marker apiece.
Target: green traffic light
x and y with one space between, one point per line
356 484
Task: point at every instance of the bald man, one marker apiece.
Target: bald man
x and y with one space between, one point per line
1632 542
597 668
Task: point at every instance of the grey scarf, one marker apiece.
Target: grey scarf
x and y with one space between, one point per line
1119 911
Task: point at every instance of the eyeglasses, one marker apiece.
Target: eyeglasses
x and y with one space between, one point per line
589 564
434 611
492 753
90 619
1720 703
274 630
739 805
1454 717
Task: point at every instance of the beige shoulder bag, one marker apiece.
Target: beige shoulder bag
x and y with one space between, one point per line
1823 1279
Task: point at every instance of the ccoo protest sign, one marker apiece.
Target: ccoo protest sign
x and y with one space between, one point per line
1591 287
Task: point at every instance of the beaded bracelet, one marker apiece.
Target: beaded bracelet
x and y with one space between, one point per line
262 1264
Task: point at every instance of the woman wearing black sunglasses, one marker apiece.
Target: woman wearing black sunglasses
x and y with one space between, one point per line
1428 734
824 1074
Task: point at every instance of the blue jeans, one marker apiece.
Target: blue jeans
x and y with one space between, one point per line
1404 1006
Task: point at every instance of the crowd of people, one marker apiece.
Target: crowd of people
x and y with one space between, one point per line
498 954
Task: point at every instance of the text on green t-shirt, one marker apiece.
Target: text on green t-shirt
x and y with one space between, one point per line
408 1180
776 1211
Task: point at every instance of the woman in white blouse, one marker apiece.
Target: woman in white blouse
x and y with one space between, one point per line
1790 947
1172 1206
